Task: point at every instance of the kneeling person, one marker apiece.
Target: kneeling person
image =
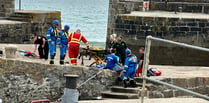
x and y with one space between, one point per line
129 69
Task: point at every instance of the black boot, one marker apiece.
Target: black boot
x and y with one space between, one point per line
51 62
125 84
61 62
133 83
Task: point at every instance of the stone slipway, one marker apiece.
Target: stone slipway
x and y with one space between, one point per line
167 100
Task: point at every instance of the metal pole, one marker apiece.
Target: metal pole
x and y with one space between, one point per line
19 4
89 79
179 44
179 88
145 66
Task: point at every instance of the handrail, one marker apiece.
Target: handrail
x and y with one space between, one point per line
177 87
146 66
89 79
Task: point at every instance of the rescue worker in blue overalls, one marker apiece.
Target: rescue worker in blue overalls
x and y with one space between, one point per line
51 36
62 42
130 66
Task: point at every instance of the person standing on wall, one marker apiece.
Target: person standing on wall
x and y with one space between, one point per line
74 43
62 41
131 63
120 48
141 60
51 36
43 48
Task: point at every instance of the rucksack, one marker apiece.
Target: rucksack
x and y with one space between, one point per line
153 72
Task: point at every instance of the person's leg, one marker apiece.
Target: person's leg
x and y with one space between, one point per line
40 51
46 51
76 54
126 77
52 53
71 55
132 75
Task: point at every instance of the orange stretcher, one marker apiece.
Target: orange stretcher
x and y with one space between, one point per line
97 54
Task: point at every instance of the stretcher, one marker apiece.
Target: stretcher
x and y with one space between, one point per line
96 53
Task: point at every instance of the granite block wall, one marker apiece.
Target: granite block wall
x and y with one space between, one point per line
195 6
23 81
6 8
134 29
14 32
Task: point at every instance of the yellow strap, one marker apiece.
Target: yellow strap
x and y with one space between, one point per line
73 58
74 42
80 37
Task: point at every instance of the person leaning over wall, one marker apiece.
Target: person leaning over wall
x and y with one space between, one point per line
43 48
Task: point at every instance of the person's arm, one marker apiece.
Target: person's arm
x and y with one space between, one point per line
59 39
35 48
126 65
85 41
44 42
48 35
69 37
140 63
125 45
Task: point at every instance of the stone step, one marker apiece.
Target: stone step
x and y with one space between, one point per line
16 18
120 89
109 94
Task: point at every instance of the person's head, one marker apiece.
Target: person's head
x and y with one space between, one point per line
66 28
119 39
141 50
111 38
113 51
34 38
128 52
78 31
55 23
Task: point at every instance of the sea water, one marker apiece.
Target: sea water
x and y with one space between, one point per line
88 15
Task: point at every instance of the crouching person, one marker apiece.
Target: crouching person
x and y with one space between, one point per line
113 62
129 71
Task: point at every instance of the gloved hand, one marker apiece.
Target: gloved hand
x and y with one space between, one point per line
87 47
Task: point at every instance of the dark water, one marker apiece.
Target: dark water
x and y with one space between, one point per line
88 15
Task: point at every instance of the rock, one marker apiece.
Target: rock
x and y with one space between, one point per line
10 51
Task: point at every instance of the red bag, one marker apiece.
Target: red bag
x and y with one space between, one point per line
154 72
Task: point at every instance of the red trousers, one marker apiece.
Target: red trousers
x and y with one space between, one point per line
73 54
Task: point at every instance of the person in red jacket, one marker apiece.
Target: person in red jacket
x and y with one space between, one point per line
74 43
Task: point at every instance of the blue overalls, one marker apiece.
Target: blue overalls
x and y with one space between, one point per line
63 42
130 66
51 36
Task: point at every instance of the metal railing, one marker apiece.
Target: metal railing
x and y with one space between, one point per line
146 66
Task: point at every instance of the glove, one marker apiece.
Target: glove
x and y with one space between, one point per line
124 71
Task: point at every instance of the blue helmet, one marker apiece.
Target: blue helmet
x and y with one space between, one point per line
128 51
67 27
55 22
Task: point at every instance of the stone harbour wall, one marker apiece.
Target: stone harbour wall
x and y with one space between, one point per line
134 25
194 6
23 81
7 8
196 84
40 20
14 31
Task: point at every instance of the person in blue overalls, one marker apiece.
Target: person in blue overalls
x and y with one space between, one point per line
62 41
130 67
51 36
